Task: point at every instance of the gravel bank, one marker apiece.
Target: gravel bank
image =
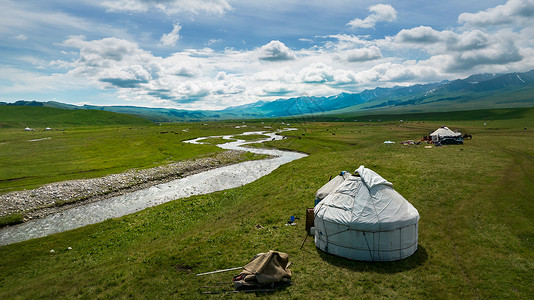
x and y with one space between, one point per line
58 196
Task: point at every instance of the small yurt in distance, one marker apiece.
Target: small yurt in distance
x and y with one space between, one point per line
443 133
364 218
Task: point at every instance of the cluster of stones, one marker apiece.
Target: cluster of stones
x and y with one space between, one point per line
54 197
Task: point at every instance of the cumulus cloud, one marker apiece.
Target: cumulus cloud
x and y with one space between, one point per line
183 77
435 41
511 12
124 83
363 54
498 53
320 73
213 79
317 73
277 89
408 72
169 6
185 71
419 35
172 37
460 52
276 51
379 13
470 40
284 74
112 62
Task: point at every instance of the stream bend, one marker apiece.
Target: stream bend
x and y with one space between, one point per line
206 182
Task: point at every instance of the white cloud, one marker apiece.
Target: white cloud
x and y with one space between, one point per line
419 35
277 89
112 61
320 73
317 73
470 40
460 52
409 72
205 78
276 51
169 7
513 11
172 37
501 51
351 40
284 74
213 41
379 13
363 54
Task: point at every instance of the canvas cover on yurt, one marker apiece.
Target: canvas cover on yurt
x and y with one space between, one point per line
364 218
443 132
330 186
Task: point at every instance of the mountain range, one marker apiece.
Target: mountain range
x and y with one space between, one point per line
477 91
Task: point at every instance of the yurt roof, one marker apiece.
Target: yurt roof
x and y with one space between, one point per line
445 131
367 202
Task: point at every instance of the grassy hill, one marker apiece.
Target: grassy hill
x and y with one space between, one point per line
41 117
476 233
480 114
449 101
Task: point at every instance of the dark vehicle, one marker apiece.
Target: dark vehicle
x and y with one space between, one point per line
451 141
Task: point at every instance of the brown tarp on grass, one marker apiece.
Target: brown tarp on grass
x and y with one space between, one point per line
264 269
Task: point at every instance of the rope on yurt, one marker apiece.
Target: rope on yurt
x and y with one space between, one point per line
400 242
378 221
348 229
326 235
368 248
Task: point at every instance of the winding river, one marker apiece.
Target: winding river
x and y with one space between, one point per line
202 183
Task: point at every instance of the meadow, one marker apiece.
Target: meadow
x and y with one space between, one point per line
32 158
476 233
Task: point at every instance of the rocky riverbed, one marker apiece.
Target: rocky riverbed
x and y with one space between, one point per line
59 196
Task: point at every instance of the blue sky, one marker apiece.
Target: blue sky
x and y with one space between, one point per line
211 54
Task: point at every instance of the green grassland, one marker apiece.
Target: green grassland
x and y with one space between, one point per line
216 140
42 117
476 233
31 158
450 101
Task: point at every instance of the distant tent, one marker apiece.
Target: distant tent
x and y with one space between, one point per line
364 218
28 129
444 132
48 128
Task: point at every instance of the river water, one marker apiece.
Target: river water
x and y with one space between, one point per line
202 183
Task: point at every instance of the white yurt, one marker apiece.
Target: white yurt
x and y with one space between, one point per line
364 218
444 132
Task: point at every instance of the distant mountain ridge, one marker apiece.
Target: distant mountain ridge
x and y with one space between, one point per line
476 91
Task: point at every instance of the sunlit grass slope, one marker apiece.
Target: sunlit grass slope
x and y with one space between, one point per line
41 117
475 234
32 158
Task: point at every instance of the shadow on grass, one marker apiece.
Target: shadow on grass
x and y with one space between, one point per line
412 262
